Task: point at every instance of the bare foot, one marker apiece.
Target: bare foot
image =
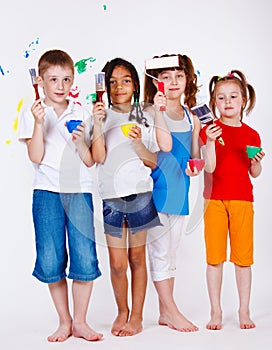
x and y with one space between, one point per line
177 322
132 327
83 330
245 320
119 323
215 323
62 333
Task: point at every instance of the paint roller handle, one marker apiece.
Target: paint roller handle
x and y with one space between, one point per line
161 89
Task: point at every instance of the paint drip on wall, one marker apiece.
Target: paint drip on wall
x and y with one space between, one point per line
16 119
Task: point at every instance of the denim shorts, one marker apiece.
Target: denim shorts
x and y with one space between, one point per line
64 231
138 210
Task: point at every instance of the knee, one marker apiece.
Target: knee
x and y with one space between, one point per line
118 268
136 260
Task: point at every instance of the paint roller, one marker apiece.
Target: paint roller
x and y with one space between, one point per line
167 62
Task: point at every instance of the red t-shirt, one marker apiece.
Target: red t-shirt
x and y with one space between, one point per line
230 179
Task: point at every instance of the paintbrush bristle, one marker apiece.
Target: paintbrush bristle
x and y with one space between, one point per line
33 75
203 113
162 62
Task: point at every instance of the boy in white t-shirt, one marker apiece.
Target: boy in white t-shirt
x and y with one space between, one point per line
62 197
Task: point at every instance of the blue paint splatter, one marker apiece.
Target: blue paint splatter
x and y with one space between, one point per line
198 72
3 72
32 47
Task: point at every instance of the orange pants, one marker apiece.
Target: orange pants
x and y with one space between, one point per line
236 218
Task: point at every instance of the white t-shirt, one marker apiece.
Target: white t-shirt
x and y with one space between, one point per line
61 169
123 173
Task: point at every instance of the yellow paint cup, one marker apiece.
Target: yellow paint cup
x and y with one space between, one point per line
126 128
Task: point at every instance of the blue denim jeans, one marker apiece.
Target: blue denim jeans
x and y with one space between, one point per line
64 231
138 210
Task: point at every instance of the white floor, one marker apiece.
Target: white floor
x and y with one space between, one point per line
28 316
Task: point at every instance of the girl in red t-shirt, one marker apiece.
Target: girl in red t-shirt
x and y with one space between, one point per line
228 191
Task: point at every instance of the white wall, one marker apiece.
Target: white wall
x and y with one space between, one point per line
218 36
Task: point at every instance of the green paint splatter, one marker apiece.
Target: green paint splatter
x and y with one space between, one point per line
81 65
91 98
105 7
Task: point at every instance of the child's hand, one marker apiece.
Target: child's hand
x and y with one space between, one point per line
135 134
99 112
189 172
257 159
213 131
159 100
78 134
38 112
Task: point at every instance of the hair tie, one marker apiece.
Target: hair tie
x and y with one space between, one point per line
230 75
218 77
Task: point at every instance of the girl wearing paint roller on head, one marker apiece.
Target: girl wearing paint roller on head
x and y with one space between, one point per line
124 160
228 191
171 176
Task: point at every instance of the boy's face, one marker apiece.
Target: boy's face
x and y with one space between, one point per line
56 83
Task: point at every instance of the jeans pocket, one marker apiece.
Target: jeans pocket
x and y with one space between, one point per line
106 211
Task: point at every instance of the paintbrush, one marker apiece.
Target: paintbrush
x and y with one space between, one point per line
33 75
206 117
160 63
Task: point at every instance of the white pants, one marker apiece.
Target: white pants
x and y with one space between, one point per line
162 245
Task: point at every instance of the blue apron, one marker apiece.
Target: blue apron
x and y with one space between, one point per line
171 184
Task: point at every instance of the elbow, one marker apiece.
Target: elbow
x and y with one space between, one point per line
166 143
89 164
166 146
35 158
209 168
98 160
153 166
